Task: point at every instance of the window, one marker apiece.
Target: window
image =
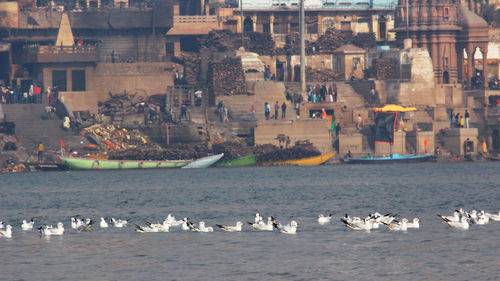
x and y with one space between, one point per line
78 80
59 80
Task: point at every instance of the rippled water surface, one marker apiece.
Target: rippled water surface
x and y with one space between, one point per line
223 196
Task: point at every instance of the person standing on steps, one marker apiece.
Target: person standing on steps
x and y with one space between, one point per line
276 110
40 149
467 116
267 110
283 110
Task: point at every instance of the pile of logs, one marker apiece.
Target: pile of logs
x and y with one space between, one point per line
292 45
385 69
177 152
232 150
122 103
365 40
273 153
260 43
320 75
332 40
227 77
219 41
192 69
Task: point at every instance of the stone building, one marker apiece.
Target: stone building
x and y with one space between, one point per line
280 17
446 29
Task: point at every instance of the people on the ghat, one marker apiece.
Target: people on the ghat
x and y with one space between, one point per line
267 110
40 149
452 115
283 110
359 121
467 116
276 110
288 142
252 110
183 112
462 121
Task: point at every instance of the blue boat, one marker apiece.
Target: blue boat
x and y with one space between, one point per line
393 158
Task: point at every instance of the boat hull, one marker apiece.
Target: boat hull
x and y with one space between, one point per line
238 162
390 160
100 164
204 162
309 161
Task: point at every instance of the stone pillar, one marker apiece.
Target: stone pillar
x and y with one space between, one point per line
271 24
254 22
484 50
434 55
470 65
453 63
460 63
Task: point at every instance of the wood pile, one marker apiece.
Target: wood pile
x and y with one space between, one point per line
177 152
192 70
365 40
302 149
260 43
227 77
220 41
386 69
232 150
332 40
126 104
320 75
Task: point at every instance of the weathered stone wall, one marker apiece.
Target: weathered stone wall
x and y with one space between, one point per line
353 143
386 149
417 141
454 139
9 16
80 101
314 130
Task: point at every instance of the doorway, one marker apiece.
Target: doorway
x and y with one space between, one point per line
496 140
59 80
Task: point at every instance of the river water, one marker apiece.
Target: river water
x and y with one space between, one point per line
223 196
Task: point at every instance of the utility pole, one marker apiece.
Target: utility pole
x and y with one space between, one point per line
302 50
242 25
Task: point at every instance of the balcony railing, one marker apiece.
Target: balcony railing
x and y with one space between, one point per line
50 54
195 19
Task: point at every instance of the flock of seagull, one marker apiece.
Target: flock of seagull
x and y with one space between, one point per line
460 219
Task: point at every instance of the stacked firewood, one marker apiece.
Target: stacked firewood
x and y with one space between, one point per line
321 75
386 69
177 152
301 149
113 138
260 43
232 150
219 41
226 77
365 40
292 45
121 103
192 70
332 40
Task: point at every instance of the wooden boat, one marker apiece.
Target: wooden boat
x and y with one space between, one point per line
47 167
394 158
204 162
75 163
245 161
309 161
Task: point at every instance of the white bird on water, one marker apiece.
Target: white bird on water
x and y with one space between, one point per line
290 228
7 233
398 226
263 226
48 230
414 224
493 217
258 218
357 224
103 223
1 225
324 219
462 224
238 226
202 228
27 225
173 222
119 222
454 218
186 224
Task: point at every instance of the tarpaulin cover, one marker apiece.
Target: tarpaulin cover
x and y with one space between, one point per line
385 123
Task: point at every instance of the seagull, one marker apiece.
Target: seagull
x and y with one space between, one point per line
414 224
263 226
1 225
145 229
119 222
322 219
173 222
463 223
186 224
48 230
87 226
494 217
76 223
387 218
161 227
454 218
27 225
482 218
202 228
231 228
7 233
258 218
290 228
356 223
398 226
103 223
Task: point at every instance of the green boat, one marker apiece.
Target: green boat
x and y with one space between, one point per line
238 162
75 163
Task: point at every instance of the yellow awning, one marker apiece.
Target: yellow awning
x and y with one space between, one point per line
393 108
